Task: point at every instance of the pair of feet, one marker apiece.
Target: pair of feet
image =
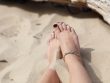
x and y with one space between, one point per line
63 40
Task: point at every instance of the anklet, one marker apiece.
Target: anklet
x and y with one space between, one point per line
72 52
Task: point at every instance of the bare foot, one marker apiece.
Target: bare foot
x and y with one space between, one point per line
53 49
67 37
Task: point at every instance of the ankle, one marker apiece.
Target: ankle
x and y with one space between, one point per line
72 58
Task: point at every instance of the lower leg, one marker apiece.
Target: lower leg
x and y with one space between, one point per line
78 73
50 76
53 52
71 53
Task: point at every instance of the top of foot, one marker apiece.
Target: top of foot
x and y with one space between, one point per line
67 37
53 49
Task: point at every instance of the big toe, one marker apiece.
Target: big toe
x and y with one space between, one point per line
56 30
52 36
60 26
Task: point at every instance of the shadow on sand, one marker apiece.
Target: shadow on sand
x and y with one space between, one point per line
86 55
49 8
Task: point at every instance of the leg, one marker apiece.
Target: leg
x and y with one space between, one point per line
50 76
69 42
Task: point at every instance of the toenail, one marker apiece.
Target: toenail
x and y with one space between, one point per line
55 25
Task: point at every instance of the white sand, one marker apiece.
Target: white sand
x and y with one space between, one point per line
24 31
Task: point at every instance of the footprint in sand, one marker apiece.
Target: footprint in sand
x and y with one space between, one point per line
9 26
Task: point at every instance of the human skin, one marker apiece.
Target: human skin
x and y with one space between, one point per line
66 39
53 51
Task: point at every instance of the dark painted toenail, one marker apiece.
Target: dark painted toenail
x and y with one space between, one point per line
55 25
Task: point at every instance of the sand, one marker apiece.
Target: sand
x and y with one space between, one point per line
24 32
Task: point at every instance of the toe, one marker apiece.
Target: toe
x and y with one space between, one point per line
68 28
60 26
76 39
52 36
64 26
56 30
73 31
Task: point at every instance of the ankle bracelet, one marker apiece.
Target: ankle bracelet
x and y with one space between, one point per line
76 53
